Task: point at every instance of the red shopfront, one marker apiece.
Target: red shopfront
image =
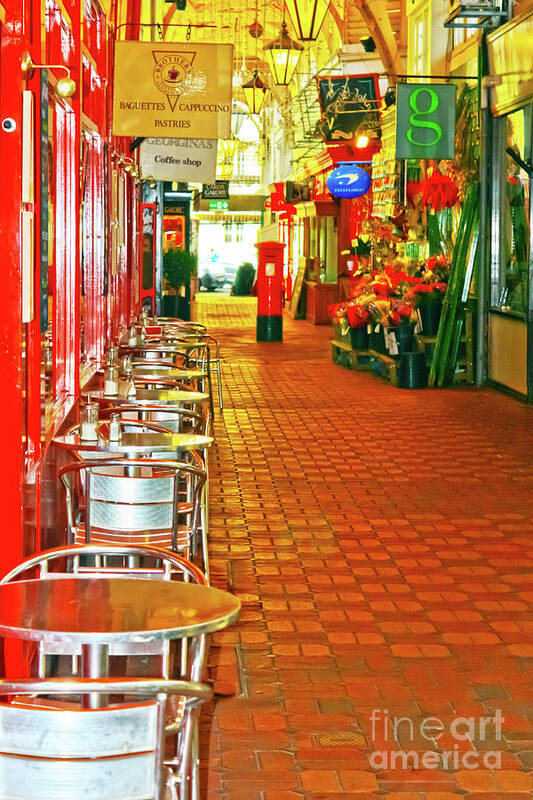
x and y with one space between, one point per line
68 233
323 231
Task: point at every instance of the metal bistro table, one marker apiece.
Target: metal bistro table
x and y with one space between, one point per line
99 611
136 444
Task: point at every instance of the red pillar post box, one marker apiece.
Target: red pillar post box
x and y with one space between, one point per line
269 291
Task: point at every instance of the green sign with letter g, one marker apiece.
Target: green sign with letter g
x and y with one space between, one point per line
425 120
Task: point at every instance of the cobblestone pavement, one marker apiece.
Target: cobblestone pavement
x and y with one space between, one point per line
381 543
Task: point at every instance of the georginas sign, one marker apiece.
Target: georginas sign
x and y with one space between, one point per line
425 120
348 180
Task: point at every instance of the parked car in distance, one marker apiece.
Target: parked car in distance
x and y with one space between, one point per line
216 274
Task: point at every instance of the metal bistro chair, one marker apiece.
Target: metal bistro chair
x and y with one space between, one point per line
199 353
178 420
113 753
196 353
214 365
167 323
134 501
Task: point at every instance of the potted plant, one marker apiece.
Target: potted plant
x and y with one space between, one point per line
244 280
178 268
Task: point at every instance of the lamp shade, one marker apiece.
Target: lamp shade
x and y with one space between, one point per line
254 93
307 16
283 54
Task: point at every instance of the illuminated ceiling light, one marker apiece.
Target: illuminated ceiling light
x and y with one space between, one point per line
362 141
283 54
254 93
307 16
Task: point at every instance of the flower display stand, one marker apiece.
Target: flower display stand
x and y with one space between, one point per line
384 366
343 355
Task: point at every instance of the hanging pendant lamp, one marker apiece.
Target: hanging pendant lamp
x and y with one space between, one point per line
254 93
283 54
307 16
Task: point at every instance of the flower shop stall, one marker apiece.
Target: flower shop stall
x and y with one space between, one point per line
406 313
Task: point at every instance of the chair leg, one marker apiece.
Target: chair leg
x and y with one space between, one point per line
194 767
204 523
219 381
210 390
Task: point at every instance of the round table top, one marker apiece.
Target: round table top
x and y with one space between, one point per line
149 373
137 442
103 610
161 397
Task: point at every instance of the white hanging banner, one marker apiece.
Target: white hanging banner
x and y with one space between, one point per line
189 160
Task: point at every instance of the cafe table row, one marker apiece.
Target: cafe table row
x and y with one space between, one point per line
93 608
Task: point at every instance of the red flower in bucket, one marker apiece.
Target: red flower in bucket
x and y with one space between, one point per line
440 192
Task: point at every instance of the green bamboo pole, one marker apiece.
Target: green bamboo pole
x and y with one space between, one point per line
447 333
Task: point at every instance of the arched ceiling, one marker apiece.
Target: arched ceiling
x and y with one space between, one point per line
229 21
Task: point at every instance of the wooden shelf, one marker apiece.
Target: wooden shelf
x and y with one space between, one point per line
343 355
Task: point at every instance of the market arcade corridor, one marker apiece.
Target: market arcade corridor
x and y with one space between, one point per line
381 543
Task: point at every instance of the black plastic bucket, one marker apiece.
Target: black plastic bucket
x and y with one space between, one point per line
376 341
430 312
412 371
359 338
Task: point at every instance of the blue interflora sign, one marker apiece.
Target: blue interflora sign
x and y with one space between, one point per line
348 180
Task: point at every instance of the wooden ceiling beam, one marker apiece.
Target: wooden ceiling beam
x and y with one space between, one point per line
374 14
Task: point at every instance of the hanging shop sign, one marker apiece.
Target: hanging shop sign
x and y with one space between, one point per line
509 49
348 180
349 104
216 191
182 160
425 120
171 89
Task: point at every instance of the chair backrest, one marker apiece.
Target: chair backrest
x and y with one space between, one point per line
173 418
147 500
113 753
158 382
159 562
148 364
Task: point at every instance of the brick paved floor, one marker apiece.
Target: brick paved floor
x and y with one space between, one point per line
381 543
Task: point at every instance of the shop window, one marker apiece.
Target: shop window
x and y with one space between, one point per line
460 35
510 292
419 40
